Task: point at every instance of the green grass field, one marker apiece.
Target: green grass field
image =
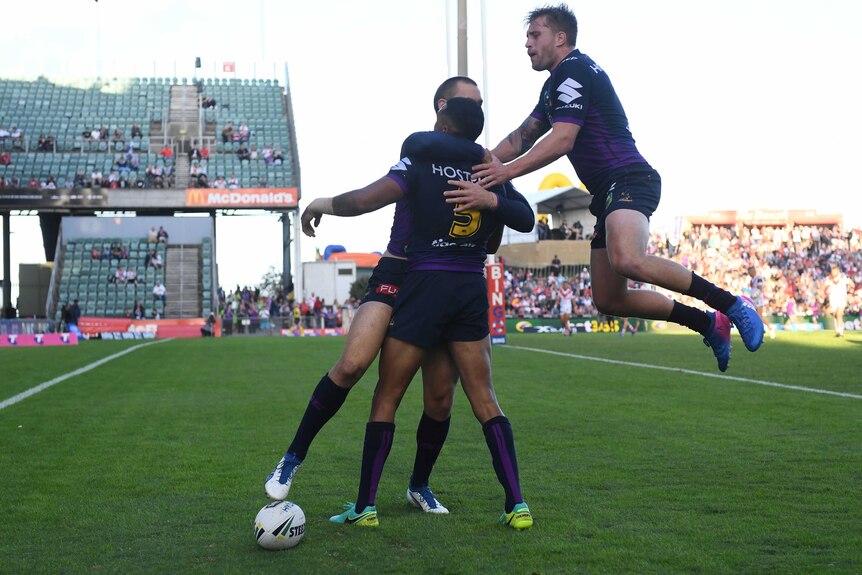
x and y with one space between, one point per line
154 461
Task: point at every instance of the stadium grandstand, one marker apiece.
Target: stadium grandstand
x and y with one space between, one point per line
141 150
145 149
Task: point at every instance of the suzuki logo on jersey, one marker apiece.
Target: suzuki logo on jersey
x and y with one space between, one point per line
402 164
569 91
452 173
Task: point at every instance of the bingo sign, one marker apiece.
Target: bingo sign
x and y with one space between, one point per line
496 303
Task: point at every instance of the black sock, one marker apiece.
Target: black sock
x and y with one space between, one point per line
378 442
430 437
691 317
501 443
710 294
325 402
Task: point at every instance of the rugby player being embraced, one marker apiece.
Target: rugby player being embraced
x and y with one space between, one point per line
443 297
367 331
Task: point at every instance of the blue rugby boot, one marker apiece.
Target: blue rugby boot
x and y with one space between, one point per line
718 338
744 316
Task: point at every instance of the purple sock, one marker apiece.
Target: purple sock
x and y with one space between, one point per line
430 437
378 442
325 402
501 443
710 294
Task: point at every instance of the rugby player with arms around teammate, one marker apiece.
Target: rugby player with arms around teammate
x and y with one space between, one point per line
443 299
367 331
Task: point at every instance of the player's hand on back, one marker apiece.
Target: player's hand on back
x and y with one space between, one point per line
470 196
492 172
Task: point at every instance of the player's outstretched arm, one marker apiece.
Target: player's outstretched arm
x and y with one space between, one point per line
530 157
517 143
372 197
520 140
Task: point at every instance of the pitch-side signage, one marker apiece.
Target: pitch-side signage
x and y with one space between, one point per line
496 303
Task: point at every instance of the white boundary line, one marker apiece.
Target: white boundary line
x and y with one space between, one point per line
42 386
690 372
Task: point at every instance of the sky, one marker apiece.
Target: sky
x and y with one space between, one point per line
740 104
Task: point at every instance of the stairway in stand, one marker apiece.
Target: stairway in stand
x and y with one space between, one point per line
182 281
181 171
184 128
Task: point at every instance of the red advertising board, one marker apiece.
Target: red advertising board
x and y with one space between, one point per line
160 328
496 303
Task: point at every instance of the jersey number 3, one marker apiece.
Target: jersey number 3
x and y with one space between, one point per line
465 224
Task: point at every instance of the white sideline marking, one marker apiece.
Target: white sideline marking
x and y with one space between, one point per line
42 386
691 372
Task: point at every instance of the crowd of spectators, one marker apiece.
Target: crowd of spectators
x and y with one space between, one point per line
199 176
242 134
532 294
14 135
127 172
794 260
564 232
45 143
115 251
123 276
246 310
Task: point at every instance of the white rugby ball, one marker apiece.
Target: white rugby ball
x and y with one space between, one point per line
279 525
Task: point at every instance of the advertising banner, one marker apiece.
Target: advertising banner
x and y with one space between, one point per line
37 339
496 303
313 332
159 328
25 198
244 198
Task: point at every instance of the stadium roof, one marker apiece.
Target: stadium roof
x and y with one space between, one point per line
560 200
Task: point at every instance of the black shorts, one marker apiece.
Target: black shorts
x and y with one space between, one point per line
636 187
437 306
385 281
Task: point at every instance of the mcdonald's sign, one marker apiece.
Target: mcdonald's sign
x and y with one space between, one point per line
241 198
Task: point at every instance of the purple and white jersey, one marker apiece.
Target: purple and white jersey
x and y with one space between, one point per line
400 232
578 91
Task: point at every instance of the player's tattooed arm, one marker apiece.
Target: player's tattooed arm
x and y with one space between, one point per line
515 145
554 145
526 135
372 197
520 140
